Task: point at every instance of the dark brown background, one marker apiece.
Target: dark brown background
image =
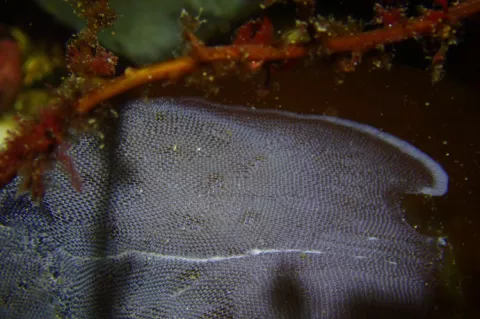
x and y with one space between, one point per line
443 120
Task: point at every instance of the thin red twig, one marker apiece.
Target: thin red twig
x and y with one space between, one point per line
36 144
360 42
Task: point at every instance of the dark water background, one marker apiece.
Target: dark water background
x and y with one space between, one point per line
443 120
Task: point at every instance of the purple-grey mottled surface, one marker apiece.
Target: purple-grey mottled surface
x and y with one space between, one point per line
194 210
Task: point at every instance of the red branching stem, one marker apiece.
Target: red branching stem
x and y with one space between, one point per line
36 143
28 152
201 54
422 26
83 59
69 166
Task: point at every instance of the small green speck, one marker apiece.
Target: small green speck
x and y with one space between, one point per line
160 116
